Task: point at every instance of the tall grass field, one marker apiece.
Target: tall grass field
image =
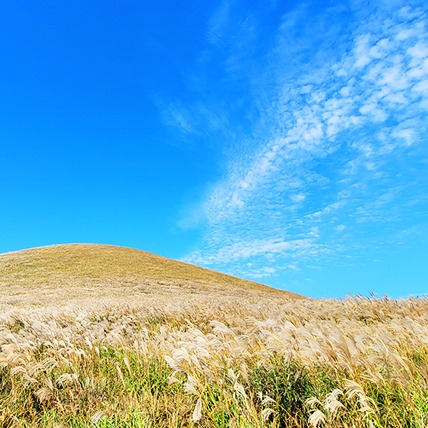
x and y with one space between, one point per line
219 357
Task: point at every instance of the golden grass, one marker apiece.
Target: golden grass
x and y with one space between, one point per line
78 271
211 359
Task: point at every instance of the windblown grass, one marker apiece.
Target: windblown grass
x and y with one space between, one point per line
101 336
215 361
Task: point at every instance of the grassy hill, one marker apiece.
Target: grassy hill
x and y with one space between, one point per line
104 336
90 270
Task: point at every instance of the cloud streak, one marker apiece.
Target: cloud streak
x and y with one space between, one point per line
342 150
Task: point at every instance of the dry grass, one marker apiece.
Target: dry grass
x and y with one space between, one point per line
83 271
214 360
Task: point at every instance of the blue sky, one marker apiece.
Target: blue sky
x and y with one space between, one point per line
280 141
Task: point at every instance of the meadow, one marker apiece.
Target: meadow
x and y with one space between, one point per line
214 361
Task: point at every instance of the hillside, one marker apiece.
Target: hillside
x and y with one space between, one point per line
106 271
103 336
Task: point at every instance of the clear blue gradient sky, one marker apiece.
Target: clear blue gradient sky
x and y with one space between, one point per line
281 141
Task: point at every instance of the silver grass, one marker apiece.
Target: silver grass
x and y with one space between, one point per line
197 412
317 418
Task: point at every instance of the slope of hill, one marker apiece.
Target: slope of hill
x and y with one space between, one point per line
94 335
91 270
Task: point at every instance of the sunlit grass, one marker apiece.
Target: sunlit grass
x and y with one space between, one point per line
267 363
209 359
87 271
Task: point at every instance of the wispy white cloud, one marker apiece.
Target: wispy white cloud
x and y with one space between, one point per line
251 249
343 144
219 24
193 123
178 117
